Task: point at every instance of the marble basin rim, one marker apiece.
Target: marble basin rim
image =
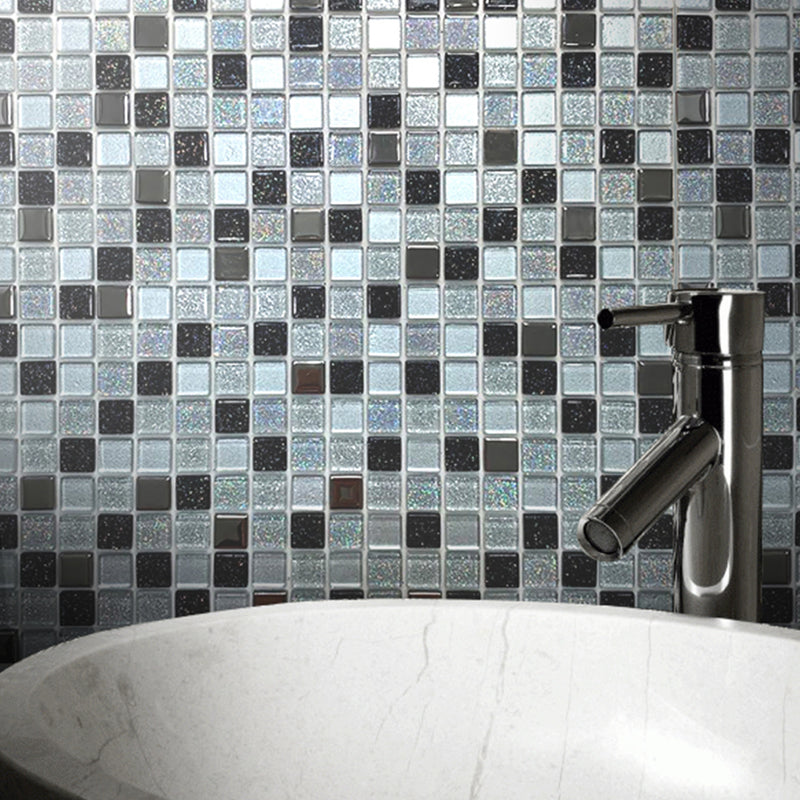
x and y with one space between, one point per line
411 699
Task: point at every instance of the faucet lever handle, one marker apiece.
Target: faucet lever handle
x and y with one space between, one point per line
660 314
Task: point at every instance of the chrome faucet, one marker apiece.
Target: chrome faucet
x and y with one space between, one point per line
708 462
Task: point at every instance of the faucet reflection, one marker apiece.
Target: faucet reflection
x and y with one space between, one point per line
708 461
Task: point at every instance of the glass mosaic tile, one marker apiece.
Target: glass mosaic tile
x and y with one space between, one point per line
299 301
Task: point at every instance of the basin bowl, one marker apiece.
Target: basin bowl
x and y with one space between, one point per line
410 699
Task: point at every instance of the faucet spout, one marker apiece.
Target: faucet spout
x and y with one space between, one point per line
670 468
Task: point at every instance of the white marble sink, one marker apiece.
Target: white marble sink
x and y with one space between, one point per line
408 699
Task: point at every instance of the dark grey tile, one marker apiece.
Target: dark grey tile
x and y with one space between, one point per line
36 224
733 222
153 493
114 302
38 492
692 108
384 149
500 455
308 225
112 108
150 33
539 339
422 263
578 224
231 263
77 570
655 185
152 186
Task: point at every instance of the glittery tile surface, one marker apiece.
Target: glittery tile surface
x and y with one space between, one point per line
317 287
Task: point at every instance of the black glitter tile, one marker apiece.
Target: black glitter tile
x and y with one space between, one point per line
618 599
269 188
539 377
579 415
7 150
384 453
9 531
383 111
231 225
501 570
383 302
193 340
232 416
344 5
617 146
35 6
578 262
772 146
654 70
695 32
540 531
578 5
113 72
461 70
778 452
270 339
777 605
229 71
539 186
36 188
695 147
461 263
154 378
308 302
777 299
422 187
231 569
153 225
578 570
151 110
8 340
461 453
306 149
190 6
7 35
153 570
73 149
346 377
656 414
618 342
500 339
37 377
76 607
115 531
37 570
344 225
305 33
193 492
422 377
499 224
660 535
796 68
423 529
115 416
308 530
578 70
735 185
269 454
191 149
76 302
733 5
192 601
114 263
654 223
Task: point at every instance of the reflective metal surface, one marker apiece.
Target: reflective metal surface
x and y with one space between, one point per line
708 462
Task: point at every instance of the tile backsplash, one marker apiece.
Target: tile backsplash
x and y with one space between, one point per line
297 300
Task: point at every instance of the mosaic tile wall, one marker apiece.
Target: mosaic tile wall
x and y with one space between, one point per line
298 301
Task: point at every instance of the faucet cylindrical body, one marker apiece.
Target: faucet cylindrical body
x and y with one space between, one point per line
708 462
719 378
